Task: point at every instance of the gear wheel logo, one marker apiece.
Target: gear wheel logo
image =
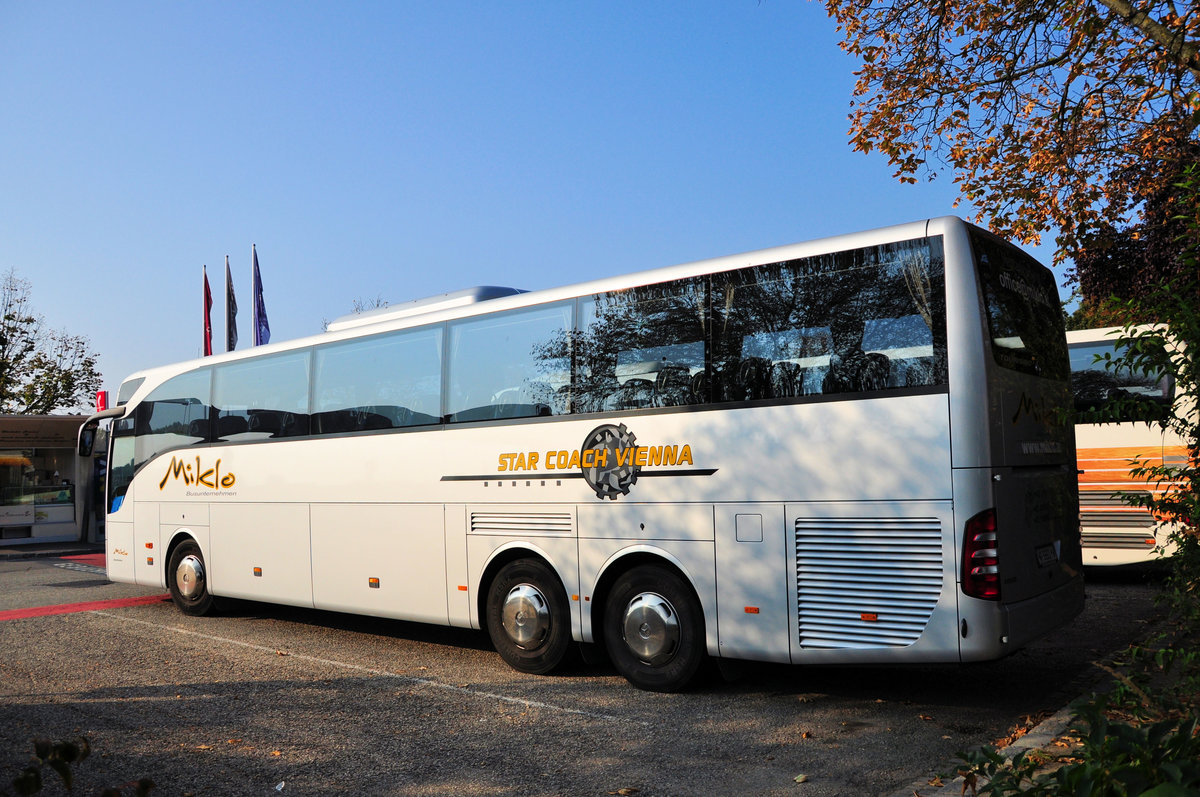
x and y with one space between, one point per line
608 479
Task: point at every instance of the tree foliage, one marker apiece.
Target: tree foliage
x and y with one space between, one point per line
1052 115
41 370
1169 348
1117 264
1142 737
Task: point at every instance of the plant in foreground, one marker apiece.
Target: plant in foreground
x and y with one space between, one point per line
1160 759
58 757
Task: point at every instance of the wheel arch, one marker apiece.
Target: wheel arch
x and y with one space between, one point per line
503 556
624 561
178 537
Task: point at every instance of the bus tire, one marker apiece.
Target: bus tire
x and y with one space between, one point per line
654 629
187 578
528 617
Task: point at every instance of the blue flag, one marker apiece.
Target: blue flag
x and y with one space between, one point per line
262 329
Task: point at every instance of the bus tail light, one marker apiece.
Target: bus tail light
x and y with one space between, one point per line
981 564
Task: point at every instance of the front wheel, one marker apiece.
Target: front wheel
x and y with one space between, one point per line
188 580
654 629
528 617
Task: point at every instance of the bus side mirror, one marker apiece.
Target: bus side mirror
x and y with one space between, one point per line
87 440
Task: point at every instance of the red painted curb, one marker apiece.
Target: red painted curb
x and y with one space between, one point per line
86 606
96 559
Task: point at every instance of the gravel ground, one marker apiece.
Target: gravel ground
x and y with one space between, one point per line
271 700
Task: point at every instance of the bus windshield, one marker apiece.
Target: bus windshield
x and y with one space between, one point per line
1095 386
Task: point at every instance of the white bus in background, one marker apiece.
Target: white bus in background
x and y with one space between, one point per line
847 450
1115 533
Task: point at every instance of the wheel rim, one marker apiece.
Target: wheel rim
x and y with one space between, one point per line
189 577
651 628
525 616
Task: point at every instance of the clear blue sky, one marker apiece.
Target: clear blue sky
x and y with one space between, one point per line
402 149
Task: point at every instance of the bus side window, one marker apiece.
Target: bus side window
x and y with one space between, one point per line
262 398
846 322
387 381
642 347
174 415
503 366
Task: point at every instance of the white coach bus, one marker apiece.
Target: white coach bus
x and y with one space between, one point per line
1115 532
848 450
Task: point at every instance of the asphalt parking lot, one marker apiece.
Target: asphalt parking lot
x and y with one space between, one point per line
268 700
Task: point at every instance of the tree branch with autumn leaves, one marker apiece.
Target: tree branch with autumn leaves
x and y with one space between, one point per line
1051 116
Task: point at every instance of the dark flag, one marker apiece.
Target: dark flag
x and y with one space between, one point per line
230 310
262 330
207 315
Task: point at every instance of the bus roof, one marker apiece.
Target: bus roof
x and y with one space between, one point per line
429 304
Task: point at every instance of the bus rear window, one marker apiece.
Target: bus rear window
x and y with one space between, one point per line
1024 314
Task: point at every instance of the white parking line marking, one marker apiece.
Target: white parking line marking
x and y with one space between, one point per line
377 672
81 568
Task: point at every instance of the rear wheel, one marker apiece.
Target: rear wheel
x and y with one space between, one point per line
528 616
188 580
654 629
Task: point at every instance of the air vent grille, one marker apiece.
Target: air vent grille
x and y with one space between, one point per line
543 524
866 582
